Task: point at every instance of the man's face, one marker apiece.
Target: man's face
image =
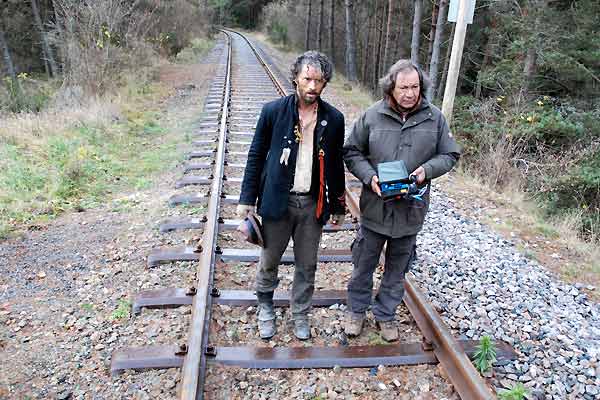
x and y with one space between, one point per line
309 84
407 89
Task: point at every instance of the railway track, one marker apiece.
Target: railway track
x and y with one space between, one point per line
212 176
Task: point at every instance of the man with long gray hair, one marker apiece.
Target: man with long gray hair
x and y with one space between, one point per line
295 177
403 126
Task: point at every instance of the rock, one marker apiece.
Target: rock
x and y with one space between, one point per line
170 384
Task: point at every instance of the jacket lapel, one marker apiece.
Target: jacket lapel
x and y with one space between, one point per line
322 123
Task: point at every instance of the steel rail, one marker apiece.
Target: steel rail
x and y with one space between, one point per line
194 364
278 85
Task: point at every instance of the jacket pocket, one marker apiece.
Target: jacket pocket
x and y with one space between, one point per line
356 247
417 210
371 206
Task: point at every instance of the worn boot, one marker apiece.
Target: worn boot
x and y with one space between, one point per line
354 324
266 315
302 327
388 329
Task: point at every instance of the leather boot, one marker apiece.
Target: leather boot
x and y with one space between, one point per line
388 329
266 315
354 324
302 327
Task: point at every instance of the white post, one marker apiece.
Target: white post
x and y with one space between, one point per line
455 58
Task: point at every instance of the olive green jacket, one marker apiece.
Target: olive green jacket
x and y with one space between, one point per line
379 135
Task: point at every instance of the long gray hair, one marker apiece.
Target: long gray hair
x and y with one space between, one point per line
388 82
314 59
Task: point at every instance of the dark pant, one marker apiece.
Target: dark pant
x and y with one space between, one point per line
366 251
300 224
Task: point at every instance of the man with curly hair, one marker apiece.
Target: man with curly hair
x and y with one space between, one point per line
294 177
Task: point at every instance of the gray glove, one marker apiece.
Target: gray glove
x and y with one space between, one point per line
244 209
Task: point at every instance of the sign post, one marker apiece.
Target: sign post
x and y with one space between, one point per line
456 56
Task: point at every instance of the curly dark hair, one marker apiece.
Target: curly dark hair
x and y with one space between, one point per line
314 59
388 82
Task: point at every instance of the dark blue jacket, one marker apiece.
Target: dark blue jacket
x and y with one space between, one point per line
269 181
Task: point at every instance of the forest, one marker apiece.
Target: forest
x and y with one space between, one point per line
528 92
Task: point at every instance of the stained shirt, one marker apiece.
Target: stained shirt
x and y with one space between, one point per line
304 162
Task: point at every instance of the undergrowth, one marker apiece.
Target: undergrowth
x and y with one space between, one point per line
78 166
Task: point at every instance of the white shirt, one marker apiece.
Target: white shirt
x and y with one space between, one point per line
304 160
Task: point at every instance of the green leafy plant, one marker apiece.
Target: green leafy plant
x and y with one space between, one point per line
122 310
517 392
485 354
375 339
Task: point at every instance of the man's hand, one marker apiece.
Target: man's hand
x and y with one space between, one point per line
337 218
243 210
375 185
420 174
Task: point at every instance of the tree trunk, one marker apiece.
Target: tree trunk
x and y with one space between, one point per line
416 33
530 63
7 57
45 45
442 85
434 13
331 30
381 49
350 43
487 55
365 58
386 52
307 31
320 27
378 55
435 51
399 52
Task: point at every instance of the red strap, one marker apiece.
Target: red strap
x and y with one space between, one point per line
321 199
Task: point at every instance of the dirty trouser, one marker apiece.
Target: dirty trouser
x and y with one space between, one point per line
301 224
366 251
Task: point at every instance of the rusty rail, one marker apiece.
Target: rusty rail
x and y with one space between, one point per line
194 365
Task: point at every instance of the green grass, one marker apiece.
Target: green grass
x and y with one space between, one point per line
376 339
79 167
197 48
518 392
122 310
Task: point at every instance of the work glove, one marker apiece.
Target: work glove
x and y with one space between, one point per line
244 209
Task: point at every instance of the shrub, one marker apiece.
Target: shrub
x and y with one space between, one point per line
24 94
275 22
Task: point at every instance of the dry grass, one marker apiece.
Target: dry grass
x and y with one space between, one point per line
33 129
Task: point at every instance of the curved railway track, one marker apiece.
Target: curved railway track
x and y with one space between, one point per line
243 83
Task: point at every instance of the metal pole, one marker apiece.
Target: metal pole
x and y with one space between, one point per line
455 59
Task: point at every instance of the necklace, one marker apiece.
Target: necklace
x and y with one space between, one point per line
301 126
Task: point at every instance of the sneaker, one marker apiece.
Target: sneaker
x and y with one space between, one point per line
354 324
266 321
388 329
302 328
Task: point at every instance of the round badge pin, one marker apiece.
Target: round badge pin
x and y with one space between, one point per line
324 123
